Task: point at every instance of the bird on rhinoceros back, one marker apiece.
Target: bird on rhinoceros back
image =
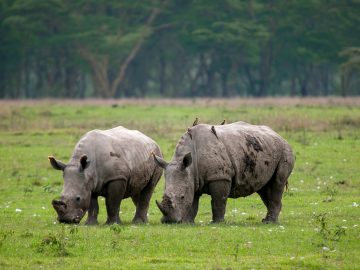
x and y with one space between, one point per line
115 164
225 161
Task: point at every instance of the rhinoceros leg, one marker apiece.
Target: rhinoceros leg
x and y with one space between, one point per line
114 194
93 211
271 193
142 200
195 207
219 191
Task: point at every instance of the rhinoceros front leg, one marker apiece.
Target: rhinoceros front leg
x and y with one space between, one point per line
93 211
115 191
219 191
195 207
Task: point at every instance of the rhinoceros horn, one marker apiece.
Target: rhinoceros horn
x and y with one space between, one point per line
59 206
161 207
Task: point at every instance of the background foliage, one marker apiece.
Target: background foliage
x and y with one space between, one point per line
88 48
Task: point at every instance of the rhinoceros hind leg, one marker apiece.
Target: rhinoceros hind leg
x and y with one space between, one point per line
271 193
142 200
219 191
114 194
141 208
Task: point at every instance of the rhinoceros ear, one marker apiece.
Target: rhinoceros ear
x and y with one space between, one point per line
159 161
58 165
187 160
84 162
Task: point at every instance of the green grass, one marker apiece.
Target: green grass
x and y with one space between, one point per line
319 226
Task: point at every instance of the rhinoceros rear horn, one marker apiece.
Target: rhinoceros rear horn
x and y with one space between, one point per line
59 206
161 207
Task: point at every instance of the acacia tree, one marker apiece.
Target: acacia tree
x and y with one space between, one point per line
350 69
109 35
223 37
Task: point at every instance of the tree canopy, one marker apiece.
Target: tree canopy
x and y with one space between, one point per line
188 48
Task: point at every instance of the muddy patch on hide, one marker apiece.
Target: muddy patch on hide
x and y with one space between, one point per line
249 163
252 141
112 154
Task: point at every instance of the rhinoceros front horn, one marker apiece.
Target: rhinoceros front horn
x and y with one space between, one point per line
161 207
59 206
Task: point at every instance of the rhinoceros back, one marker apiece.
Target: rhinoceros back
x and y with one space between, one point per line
117 153
247 155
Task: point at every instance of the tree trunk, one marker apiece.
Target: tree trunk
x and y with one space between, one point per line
265 69
304 81
251 81
162 69
100 64
303 86
293 85
344 84
224 84
99 67
121 75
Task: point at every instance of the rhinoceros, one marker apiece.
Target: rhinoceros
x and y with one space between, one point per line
116 164
225 161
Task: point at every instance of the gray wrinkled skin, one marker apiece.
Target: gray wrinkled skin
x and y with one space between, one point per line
116 164
225 161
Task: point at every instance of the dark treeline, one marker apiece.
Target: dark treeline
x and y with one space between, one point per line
180 48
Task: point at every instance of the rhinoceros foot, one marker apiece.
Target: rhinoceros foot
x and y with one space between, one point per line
269 220
139 220
91 222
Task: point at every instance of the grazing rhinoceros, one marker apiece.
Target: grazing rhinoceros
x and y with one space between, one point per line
115 164
225 161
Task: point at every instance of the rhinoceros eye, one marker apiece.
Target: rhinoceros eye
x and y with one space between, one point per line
78 198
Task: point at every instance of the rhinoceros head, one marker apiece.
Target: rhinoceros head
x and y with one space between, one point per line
76 194
176 205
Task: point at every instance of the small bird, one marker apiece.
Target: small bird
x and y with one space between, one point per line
214 131
196 121
223 122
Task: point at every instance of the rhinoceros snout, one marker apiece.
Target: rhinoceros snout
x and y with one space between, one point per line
168 220
59 206
68 219
76 220
58 203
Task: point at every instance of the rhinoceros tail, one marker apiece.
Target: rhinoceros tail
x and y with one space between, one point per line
214 131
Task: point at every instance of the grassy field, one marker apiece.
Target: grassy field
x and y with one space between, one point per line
319 226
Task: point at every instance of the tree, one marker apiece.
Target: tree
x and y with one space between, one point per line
109 35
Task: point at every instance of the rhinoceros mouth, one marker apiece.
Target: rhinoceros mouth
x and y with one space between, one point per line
167 220
75 220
